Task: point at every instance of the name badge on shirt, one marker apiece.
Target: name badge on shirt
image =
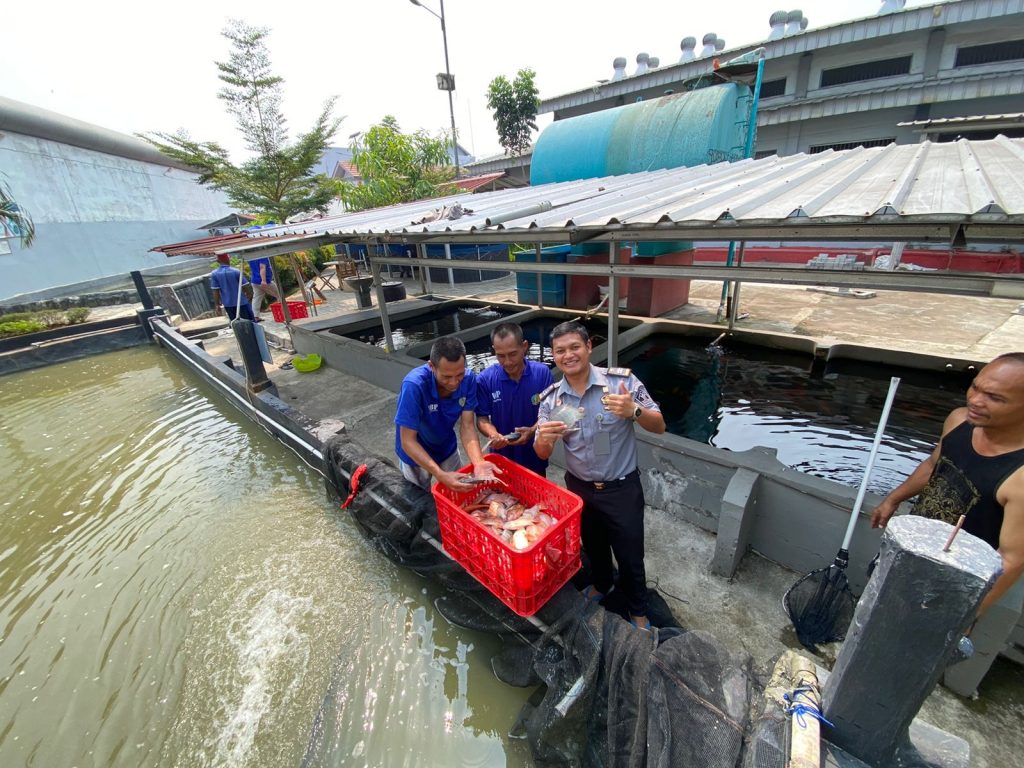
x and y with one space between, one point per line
602 443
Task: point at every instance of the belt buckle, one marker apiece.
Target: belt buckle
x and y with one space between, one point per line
599 485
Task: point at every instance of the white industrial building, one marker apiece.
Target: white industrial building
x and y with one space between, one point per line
942 71
99 199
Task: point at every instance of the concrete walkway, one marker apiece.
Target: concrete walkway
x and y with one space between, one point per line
745 611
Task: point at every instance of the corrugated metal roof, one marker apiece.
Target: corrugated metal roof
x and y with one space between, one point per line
926 191
204 246
870 96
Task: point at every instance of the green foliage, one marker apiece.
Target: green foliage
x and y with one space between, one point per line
515 110
398 168
20 323
19 327
14 218
77 315
277 181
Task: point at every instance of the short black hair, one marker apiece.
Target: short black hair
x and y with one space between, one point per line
502 330
1011 357
449 348
570 326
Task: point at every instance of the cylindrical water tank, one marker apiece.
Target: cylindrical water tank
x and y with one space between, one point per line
707 125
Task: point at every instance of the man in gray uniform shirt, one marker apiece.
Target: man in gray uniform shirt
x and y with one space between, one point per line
592 410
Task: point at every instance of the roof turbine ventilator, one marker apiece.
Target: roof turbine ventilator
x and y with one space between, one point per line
686 45
641 63
795 22
891 6
620 68
778 24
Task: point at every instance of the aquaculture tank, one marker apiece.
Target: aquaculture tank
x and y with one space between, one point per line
428 325
819 418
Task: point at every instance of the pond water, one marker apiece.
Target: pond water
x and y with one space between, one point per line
175 590
821 421
429 326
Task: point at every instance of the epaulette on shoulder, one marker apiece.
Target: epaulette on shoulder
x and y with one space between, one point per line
623 372
547 391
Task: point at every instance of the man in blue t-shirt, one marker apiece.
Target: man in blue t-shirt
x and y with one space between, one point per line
224 282
508 394
433 399
262 283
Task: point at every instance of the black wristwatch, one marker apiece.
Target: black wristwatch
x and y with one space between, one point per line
637 413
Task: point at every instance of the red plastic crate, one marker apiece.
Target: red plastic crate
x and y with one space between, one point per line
297 309
522 580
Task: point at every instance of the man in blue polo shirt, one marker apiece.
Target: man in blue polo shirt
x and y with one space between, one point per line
433 399
262 283
224 283
508 394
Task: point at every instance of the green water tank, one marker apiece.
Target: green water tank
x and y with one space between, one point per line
708 125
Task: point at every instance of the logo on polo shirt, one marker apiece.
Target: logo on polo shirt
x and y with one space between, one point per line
496 395
462 402
432 407
535 400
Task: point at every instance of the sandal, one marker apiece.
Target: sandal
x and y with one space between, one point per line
591 593
642 627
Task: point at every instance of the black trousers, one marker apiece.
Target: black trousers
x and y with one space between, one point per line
613 522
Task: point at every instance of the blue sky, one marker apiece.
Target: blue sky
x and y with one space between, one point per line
111 63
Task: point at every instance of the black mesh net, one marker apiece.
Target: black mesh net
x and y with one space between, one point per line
820 605
607 694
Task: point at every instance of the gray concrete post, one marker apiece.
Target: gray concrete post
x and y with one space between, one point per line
918 603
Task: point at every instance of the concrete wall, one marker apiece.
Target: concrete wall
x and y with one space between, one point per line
96 214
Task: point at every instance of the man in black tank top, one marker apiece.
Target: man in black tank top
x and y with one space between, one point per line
977 469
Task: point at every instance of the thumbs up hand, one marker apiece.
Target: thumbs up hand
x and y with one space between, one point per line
621 403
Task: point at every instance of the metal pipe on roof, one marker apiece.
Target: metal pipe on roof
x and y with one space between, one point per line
519 213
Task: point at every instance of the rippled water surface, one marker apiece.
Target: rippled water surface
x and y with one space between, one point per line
820 420
176 591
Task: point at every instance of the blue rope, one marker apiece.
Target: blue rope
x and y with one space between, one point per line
798 708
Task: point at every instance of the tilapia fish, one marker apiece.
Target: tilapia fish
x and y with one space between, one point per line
509 519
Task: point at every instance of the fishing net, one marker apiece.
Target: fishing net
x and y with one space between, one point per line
607 693
820 605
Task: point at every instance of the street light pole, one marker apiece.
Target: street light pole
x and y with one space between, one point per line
450 83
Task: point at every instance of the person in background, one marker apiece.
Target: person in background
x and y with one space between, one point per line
593 411
977 470
262 279
224 282
508 396
434 398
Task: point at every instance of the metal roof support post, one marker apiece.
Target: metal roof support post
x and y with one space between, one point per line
540 283
421 251
748 151
284 307
451 272
613 306
734 306
382 305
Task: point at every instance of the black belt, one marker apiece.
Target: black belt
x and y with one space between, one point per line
604 485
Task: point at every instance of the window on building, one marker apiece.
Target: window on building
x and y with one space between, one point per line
771 88
816 148
762 153
989 53
871 70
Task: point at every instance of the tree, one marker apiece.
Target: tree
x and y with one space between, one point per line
14 218
397 168
277 181
515 110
